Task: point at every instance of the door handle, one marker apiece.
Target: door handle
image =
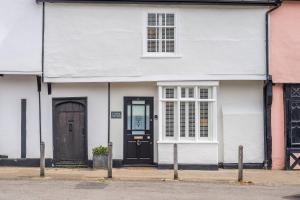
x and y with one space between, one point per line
138 143
70 127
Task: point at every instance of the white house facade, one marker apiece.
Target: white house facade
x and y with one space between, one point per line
143 75
20 64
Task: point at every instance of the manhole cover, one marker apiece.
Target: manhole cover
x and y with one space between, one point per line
292 197
90 185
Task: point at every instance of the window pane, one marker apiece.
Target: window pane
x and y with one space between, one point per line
138 117
203 93
169 118
182 92
163 45
152 45
161 19
152 33
170 93
137 132
187 119
170 33
191 119
187 92
182 118
170 19
163 33
147 117
128 117
138 102
203 119
170 46
191 92
151 19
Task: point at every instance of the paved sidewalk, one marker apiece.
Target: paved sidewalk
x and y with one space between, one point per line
257 177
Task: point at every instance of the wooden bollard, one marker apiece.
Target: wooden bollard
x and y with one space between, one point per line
109 166
42 159
175 162
240 164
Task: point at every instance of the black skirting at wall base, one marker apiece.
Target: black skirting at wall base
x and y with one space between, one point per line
117 163
3 156
24 162
189 166
245 165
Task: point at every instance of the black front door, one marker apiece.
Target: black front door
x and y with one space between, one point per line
138 130
69 131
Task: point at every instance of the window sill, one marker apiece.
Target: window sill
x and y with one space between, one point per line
187 142
161 56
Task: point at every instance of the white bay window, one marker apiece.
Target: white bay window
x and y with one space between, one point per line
187 111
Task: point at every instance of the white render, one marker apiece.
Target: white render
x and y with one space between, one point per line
13 88
239 116
20 37
104 42
197 153
243 123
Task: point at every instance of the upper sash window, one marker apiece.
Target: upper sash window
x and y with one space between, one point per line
161 33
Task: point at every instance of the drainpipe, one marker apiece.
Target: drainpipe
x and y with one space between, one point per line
268 95
38 80
43 40
108 113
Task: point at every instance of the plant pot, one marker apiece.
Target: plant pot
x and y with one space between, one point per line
100 161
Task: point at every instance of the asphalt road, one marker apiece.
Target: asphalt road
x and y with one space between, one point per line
137 190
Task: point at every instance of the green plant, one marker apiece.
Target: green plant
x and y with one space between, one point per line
101 150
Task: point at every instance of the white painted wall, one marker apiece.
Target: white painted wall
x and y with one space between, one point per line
242 120
201 153
104 42
118 91
96 94
12 90
20 37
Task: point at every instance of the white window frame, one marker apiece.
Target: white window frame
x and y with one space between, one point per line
174 54
212 130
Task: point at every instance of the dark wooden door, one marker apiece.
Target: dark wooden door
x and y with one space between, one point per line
138 130
292 95
69 131
292 106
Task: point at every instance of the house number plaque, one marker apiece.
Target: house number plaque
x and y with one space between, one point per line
116 114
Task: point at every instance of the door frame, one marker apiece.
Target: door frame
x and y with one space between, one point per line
290 150
287 101
125 122
60 100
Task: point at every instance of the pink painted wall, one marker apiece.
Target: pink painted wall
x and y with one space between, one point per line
277 120
285 43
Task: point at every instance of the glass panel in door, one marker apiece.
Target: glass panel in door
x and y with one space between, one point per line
138 119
